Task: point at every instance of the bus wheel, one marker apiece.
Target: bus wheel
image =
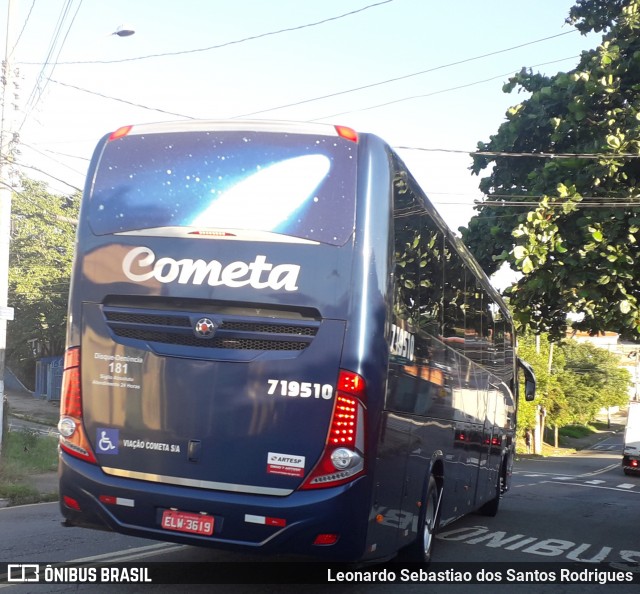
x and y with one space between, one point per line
490 508
420 550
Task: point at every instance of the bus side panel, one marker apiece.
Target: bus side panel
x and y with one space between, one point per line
366 347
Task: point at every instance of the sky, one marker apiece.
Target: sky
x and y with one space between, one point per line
426 76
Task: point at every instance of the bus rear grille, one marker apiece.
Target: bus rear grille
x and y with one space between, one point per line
232 332
214 343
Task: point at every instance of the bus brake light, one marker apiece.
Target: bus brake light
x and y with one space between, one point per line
343 457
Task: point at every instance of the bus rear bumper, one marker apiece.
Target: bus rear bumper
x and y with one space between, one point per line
250 523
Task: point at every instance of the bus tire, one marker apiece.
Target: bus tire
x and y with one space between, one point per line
420 550
490 508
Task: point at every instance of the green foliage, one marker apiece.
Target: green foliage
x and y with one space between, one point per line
577 253
25 453
576 431
41 254
583 379
594 378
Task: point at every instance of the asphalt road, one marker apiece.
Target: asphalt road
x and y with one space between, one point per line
571 510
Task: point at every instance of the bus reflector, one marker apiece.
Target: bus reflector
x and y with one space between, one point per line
73 439
71 503
343 457
326 539
347 133
113 500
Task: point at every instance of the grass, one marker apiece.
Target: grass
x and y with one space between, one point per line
577 431
25 453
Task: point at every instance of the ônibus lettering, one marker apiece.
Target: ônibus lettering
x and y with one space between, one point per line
141 265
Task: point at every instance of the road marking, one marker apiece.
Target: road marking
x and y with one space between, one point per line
116 556
626 486
622 490
548 547
601 470
130 554
595 482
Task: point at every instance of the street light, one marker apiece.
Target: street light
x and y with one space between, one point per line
124 31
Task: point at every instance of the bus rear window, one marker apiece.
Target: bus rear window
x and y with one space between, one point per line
298 185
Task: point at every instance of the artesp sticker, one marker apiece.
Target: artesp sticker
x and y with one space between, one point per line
286 464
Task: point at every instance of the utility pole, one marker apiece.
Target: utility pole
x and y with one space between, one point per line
6 141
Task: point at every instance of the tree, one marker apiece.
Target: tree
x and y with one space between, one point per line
593 380
578 246
575 381
40 258
550 406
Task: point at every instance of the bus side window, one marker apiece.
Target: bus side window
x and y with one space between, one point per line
455 301
418 262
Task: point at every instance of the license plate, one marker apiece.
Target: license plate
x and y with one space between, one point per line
187 522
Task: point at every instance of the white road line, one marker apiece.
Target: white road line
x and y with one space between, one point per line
115 557
626 486
624 490
595 482
129 554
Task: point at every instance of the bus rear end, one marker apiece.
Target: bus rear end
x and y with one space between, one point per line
204 396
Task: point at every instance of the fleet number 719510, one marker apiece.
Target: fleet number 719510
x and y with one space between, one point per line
300 389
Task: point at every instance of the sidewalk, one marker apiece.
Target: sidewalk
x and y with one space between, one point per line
27 407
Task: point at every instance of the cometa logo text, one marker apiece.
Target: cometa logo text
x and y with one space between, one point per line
141 265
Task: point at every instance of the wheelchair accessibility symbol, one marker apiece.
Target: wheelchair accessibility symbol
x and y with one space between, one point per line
107 440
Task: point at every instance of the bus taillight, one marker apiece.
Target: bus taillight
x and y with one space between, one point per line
73 439
120 133
343 457
347 133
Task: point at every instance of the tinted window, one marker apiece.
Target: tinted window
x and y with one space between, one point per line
293 184
418 257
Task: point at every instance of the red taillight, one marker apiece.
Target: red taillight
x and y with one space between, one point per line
347 133
324 540
120 133
73 439
352 383
633 463
71 397
71 503
343 457
343 425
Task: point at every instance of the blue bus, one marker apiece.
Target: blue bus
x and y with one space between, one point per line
275 344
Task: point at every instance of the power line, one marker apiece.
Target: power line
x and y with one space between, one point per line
464 86
48 175
52 45
24 26
228 43
38 91
182 115
404 77
614 204
541 155
44 154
